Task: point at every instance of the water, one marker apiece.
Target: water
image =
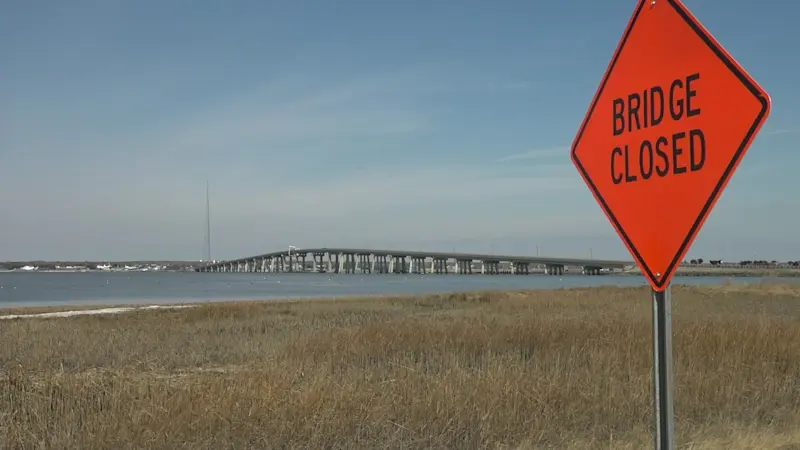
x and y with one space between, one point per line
19 289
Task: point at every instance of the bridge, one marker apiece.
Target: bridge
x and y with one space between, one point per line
355 260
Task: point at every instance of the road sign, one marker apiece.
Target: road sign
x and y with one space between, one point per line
670 122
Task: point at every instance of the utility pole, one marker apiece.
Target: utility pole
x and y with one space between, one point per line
208 226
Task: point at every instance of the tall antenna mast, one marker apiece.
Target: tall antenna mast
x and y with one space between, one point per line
208 226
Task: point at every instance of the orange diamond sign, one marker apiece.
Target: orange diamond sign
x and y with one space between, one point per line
669 124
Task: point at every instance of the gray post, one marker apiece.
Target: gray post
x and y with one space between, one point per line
662 370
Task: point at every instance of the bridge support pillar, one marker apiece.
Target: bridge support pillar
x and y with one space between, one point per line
553 269
440 266
399 264
319 266
349 263
417 265
490 267
590 270
364 263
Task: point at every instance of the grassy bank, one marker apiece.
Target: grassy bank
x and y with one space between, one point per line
543 369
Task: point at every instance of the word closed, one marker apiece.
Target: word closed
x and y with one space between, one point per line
663 155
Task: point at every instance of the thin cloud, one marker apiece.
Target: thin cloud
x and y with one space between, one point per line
378 190
538 154
782 131
361 108
499 86
297 112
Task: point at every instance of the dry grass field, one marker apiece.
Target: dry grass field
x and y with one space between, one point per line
497 370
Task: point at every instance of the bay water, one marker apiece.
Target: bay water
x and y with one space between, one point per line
23 289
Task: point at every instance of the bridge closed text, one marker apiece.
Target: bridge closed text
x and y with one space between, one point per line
665 155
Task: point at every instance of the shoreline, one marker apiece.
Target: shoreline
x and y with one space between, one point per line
85 309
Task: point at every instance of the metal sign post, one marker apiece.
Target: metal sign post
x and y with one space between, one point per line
663 411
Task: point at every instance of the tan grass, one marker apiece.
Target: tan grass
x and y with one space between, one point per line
510 370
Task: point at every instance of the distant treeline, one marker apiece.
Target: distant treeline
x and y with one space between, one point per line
746 263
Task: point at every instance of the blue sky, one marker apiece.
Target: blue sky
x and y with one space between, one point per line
427 125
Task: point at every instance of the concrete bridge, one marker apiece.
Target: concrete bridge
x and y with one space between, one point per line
355 260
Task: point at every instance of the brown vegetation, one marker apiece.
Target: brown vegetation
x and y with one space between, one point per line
543 369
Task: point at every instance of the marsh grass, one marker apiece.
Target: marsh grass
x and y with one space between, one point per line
542 369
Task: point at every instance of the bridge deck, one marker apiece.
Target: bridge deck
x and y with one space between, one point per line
444 255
